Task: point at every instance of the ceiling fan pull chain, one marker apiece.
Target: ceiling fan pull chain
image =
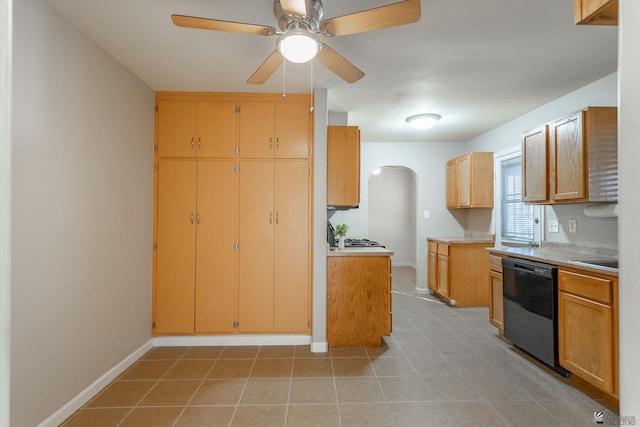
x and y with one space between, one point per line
311 107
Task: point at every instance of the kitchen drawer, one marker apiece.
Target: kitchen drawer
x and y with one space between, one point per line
495 263
591 287
432 246
443 249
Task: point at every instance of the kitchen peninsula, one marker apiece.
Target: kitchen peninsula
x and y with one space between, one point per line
358 296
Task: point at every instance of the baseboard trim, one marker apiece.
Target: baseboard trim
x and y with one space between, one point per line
231 340
422 291
319 347
85 395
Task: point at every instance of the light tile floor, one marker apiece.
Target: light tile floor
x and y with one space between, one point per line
442 366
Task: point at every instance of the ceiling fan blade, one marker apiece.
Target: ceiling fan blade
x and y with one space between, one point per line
336 63
218 25
294 7
404 12
268 67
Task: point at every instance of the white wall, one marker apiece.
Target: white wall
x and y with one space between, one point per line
428 162
82 184
629 153
392 213
5 200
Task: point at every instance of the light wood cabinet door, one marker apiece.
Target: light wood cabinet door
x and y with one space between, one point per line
257 129
535 165
292 130
343 166
255 258
274 130
585 338
216 135
596 12
568 157
463 166
452 184
496 307
196 129
176 252
214 303
432 271
177 127
292 247
443 275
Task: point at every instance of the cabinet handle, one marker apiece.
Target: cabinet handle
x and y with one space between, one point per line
191 218
192 142
197 217
270 143
270 217
277 220
199 145
277 143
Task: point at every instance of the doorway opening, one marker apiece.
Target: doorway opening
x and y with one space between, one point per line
392 205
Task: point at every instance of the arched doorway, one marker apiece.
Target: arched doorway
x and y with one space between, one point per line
392 212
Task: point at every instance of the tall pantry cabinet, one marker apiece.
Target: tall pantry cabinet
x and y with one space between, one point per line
232 232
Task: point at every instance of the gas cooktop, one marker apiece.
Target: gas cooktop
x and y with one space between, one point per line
361 242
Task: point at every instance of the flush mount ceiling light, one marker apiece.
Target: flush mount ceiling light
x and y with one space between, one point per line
423 121
298 46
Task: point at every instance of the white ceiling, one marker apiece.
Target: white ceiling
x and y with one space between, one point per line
478 63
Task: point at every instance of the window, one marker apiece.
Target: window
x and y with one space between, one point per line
515 222
517 217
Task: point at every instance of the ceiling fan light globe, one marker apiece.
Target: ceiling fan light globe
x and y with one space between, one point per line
298 48
423 121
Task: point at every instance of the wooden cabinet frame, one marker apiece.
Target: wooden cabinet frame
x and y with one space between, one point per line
198 315
469 181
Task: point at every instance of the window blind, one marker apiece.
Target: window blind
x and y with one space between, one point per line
517 217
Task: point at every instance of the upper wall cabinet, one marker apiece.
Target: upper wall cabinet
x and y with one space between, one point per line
573 159
470 181
196 128
595 12
535 164
343 166
274 130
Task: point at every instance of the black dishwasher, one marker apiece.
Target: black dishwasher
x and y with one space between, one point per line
530 296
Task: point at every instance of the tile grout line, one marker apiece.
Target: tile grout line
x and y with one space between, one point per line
204 378
151 389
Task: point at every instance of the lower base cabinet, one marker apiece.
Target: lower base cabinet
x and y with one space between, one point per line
457 271
588 328
358 300
496 303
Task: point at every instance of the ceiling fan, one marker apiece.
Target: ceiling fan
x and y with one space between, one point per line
300 21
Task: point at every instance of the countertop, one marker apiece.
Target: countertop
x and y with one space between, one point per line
359 251
449 240
555 256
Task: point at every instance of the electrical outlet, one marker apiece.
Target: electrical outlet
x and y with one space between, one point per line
573 226
553 226
427 215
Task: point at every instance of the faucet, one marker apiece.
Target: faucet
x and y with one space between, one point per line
534 244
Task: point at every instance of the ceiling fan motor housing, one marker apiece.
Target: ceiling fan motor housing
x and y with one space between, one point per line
311 20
